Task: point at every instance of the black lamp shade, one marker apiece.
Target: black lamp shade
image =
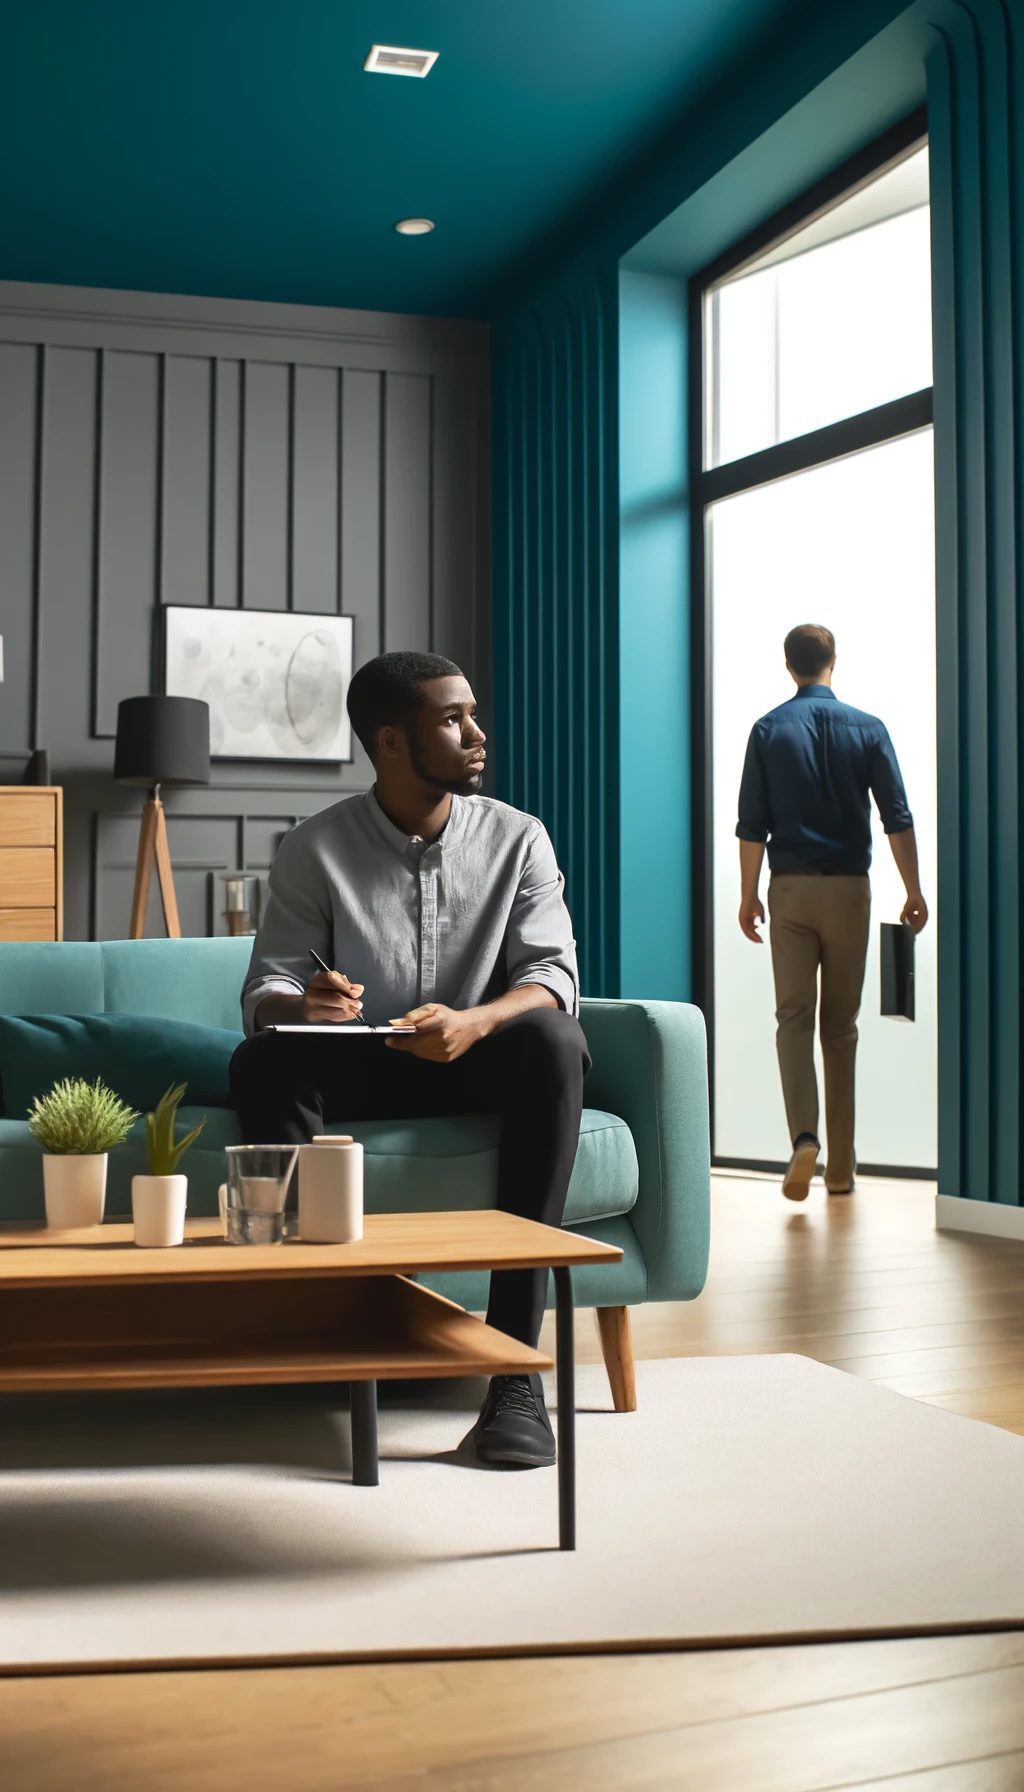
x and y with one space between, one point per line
162 740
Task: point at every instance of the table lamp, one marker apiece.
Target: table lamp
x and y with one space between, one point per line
160 740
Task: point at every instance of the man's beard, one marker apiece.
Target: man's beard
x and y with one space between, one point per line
443 786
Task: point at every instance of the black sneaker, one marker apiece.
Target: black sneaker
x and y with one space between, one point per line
513 1425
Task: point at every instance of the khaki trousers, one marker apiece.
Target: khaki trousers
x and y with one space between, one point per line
819 923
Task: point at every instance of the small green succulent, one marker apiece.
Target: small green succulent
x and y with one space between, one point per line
79 1118
165 1151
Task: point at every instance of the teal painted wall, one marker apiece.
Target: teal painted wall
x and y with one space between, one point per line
967 56
655 921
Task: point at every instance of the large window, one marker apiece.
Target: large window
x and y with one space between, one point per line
816 488
833 321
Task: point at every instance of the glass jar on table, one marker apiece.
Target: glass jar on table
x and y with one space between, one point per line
256 1191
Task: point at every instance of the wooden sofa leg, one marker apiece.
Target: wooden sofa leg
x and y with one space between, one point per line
617 1350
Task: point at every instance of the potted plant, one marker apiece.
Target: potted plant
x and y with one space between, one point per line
77 1124
158 1200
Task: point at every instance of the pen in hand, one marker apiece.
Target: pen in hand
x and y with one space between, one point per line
326 967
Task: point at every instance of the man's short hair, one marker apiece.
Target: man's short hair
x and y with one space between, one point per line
810 649
385 693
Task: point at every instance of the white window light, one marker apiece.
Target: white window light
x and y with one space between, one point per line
387 59
414 226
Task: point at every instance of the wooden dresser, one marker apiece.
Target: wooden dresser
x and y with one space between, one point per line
31 862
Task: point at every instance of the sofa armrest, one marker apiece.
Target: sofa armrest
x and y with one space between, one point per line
650 1066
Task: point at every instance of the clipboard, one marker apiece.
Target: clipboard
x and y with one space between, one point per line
341 1029
896 955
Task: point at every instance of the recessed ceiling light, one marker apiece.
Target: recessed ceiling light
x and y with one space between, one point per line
414 226
386 59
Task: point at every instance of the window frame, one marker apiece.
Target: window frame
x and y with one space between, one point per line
867 429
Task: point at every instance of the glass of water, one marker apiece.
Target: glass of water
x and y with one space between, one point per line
257 1187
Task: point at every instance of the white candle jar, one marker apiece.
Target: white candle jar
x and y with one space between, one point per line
330 1190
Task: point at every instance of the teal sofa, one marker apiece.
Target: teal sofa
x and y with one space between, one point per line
641 1179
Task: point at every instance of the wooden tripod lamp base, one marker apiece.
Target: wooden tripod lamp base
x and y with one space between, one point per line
153 845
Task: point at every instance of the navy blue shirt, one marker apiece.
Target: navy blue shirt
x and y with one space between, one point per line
810 767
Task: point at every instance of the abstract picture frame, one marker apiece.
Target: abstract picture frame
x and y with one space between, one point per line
276 681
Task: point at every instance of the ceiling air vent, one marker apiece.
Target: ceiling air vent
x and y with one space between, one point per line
385 59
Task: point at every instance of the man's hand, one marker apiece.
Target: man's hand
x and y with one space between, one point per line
331 997
442 1034
915 911
751 911
904 851
751 859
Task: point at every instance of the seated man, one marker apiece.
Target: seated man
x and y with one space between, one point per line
443 909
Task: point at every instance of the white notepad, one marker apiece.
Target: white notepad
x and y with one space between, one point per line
341 1029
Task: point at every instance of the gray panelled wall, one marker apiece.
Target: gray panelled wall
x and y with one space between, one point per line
164 450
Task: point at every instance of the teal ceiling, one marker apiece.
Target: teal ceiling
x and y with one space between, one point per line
236 147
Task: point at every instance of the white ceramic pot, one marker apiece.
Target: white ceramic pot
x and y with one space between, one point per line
158 1210
331 1191
75 1189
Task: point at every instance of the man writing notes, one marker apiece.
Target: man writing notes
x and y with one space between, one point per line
442 909
811 767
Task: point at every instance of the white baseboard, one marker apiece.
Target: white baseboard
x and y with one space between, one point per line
992 1218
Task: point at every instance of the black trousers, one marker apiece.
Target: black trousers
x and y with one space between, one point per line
530 1073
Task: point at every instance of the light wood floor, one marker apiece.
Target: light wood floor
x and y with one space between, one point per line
866 1284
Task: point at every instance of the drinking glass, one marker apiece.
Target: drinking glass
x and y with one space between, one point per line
257 1186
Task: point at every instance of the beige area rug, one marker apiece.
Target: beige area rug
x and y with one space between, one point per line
749 1499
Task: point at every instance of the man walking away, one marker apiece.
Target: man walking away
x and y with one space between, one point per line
811 766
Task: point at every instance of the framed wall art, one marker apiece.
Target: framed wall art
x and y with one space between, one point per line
276 681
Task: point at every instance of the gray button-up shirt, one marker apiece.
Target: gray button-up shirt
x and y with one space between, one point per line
460 920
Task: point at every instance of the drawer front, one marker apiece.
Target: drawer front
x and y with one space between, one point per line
27 818
28 924
28 877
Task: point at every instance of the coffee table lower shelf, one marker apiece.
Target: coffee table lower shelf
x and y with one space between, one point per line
221 1333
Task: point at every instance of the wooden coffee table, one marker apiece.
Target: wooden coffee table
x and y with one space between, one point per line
90 1310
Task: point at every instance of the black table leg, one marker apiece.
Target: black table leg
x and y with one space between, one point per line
566 1382
364 1433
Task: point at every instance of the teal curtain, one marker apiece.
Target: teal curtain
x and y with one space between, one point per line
555 608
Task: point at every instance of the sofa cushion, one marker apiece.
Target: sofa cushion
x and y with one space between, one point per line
187 980
410 1166
420 1165
138 1057
51 977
